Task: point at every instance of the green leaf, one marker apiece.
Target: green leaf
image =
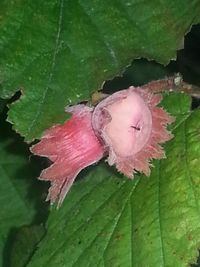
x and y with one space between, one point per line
59 51
21 198
25 243
109 220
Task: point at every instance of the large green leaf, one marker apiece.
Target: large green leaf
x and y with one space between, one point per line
20 194
59 51
108 220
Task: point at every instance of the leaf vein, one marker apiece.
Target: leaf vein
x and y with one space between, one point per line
159 217
70 236
188 170
40 105
119 217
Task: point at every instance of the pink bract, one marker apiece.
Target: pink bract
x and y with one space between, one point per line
127 126
71 147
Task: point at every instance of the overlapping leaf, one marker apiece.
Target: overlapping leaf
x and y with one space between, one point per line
59 51
24 244
19 193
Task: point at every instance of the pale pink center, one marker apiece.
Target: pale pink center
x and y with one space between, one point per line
131 125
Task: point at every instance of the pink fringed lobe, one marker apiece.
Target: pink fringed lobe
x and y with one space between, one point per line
132 127
71 147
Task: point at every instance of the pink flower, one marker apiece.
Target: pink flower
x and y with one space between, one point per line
127 126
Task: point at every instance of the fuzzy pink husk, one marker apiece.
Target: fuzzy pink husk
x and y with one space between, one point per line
127 126
132 127
71 147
